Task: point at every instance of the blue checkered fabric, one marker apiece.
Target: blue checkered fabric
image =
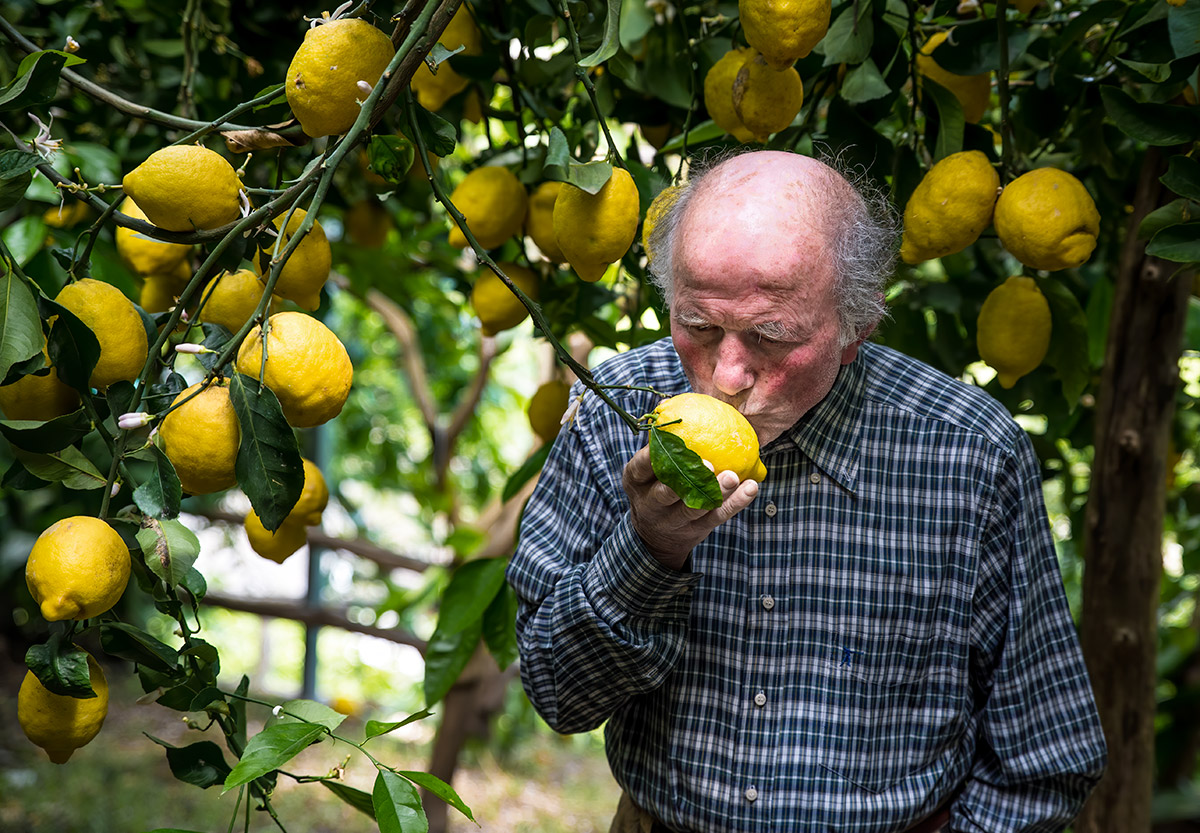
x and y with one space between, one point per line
884 626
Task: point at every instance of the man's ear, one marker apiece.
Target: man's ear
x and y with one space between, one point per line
851 352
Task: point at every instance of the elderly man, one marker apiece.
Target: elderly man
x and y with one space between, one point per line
873 639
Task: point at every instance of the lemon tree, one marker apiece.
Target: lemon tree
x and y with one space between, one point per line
359 193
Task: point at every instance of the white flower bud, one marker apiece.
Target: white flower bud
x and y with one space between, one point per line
364 87
193 349
72 45
133 419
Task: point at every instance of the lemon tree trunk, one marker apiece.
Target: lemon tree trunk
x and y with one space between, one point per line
1124 516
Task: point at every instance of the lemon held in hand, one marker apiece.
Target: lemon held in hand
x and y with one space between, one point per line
950 207
322 79
1014 329
77 569
185 188
308 369
116 324
1047 220
58 723
715 430
201 439
593 230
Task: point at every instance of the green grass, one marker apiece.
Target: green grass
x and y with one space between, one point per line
121 782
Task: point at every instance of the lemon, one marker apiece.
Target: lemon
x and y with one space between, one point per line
1014 329
231 298
493 202
972 91
539 220
594 230
161 290
950 207
201 437
308 369
38 398
472 110
766 99
278 545
546 409
659 207
784 30
322 79
495 304
306 270
715 430
61 724
433 91
185 188
145 255
1047 220
718 94
314 497
368 223
77 569
67 214
116 324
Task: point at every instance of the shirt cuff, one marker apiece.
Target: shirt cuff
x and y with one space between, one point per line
624 579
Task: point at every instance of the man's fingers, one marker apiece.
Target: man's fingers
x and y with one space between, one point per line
638 469
736 501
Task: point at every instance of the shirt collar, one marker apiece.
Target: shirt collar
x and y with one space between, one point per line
829 433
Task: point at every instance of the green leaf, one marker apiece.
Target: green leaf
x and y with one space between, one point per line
1183 22
16 173
122 640
375 728
11 192
704 132
69 467
36 81
201 764
310 711
1180 243
445 658
683 471
170 549
61 667
25 238
561 167
270 749
952 123
1152 72
499 627
1099 311
45 437
471 590
356 798
391 157
269 467
1176 211
158 496
976 47
438 134
850 37
397 805
1183 176
1154 124
864 83
73 347
526 472
612 42
1068 353
440 788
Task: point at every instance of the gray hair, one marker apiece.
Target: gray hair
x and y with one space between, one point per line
865 240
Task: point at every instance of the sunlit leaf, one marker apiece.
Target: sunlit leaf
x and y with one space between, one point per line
440 788
471 590
375 728
310 711
270 749
445 658
70 466
170 549
397 805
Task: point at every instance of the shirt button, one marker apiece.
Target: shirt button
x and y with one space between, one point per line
751 794
760 699
814 478
768 602
771 509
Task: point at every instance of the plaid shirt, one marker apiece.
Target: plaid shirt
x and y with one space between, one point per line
883 626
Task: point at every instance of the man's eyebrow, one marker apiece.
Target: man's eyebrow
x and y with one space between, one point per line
774 330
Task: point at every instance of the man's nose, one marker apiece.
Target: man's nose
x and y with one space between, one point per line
733 372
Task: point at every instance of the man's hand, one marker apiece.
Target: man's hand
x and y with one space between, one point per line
670 529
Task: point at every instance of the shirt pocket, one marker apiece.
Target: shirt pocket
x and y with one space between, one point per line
891 709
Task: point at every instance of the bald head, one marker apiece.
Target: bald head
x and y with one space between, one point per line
778 216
